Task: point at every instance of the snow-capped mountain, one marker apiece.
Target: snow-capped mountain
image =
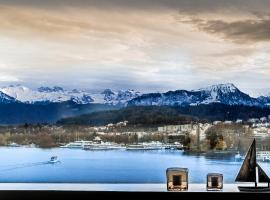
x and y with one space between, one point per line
265 100
110 97
44 94
58 94
6 99
222 93
227 94
54 89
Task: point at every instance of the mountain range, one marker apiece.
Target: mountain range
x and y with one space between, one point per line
223 93
4 99
19 104
227 94
57 94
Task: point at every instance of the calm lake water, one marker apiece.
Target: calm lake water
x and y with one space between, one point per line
28 165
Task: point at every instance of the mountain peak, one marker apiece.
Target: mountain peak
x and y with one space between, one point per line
16 87
58 94
53 89
58 89
6 99
108 92
225 88
75 91
44 89
221 93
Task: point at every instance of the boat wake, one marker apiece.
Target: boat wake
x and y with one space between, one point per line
23 165
224 163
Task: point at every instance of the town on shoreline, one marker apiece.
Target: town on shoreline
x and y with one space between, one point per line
194 137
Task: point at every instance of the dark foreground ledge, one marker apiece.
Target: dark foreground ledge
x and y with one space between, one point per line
109 187
117 191
48 195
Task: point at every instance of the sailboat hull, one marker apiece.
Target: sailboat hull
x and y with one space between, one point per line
254 189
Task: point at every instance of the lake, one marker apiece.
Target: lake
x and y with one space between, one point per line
28 165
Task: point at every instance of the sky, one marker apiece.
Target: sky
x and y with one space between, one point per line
145 45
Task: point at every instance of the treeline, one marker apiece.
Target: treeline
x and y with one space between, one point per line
48 140
162 115
140 115
20 113
222 112
43 140
229 136
44 136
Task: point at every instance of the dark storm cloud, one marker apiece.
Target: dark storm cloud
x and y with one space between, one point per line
242 31
182 5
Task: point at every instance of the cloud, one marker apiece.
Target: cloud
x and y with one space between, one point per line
247 31
134 44
183 5
8 78
33 18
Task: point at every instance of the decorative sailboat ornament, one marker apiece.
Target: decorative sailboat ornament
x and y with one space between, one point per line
252 172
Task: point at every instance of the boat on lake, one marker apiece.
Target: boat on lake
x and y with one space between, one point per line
76 145
251 171
13 144
154 145
54 159
103 146
135 147
32 145
174 146
263 156
146 146
238 156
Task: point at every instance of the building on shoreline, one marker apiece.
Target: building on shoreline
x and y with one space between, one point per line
185 129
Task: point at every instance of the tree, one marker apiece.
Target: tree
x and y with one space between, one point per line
187 141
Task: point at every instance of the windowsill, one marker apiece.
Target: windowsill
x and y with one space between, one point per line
109 187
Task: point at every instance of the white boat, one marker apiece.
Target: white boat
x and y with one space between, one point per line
102 146
13 144
238 156
146 146
135 147
77 144
154 145
32 145
54 159
263 156
174 146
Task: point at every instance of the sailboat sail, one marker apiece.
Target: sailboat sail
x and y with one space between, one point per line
263 178
247 172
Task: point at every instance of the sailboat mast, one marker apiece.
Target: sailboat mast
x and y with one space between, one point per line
256 181
256 169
